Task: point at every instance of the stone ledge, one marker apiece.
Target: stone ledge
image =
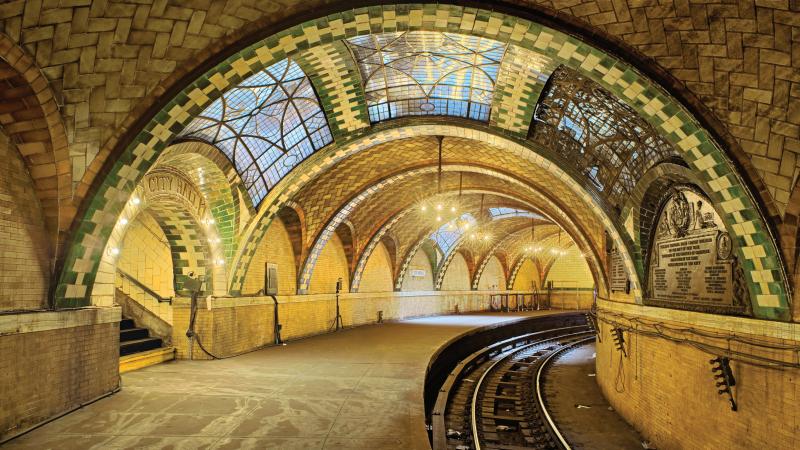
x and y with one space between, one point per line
744 325
228 302
34 321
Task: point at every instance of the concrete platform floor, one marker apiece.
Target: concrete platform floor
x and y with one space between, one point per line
578 407
360 388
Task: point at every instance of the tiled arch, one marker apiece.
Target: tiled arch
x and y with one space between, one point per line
763 267
214 176
549 208
384 228
31 113
187 228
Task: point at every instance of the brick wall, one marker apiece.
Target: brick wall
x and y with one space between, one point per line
24 252
667 392
276 247
420 261
377 275
145 255
492 276
457 276
48 372
240 324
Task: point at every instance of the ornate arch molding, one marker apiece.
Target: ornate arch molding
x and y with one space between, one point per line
766 277
36 128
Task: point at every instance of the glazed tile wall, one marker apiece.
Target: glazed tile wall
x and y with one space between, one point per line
377 276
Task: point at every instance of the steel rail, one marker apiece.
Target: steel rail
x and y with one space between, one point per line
551 425
503 357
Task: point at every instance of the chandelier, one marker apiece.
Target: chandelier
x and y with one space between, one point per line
442 209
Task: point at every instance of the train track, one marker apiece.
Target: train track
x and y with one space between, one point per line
492 398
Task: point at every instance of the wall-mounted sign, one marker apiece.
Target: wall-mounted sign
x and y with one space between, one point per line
619 278
692 263
418 273
168 183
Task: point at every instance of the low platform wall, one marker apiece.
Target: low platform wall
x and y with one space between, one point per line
52 362
235 325
666 390
572 299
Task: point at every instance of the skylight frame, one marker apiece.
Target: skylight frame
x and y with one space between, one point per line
462 73
266 125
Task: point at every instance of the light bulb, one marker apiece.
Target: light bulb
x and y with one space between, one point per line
424 208
438 218
220 262
439 207
452 209
135 200
123 221
115 251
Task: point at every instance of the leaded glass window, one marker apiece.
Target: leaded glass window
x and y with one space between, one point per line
604 138
266 125
427 73
448 234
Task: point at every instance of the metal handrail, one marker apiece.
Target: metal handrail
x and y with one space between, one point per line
144 287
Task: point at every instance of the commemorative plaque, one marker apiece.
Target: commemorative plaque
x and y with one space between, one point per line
619 278
692 262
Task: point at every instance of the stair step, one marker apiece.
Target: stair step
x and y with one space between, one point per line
132 334
126 324
145 359
138 345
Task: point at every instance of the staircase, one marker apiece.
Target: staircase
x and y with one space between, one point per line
137 349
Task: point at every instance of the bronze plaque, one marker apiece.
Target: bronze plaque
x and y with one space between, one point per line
692 259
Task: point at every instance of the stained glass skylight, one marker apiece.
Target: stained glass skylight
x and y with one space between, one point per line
602 136
503 212
266 125
427 73
448 234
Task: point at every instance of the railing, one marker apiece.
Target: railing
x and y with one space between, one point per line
522 301
144 287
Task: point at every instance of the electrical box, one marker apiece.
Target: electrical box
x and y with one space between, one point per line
271 279
417 273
